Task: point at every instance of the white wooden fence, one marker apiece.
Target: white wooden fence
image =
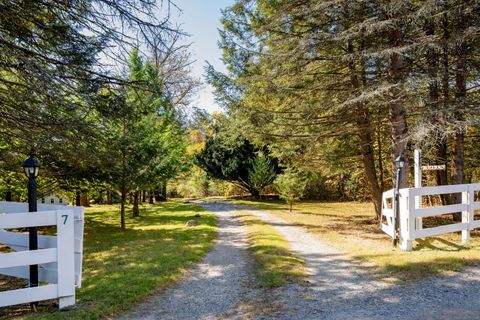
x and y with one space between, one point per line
59 257
411 212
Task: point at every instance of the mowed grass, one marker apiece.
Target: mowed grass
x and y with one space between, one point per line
352 228
276 264
123 268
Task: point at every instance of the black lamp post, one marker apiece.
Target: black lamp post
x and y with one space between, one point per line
31 168
400 164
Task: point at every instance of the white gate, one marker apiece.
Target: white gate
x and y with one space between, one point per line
59 257
411 212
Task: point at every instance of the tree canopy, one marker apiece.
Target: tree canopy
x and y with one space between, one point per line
372 78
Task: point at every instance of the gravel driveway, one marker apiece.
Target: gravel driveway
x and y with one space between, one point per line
340 288
217 288
222 287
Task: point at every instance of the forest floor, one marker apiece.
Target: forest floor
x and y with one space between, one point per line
336 285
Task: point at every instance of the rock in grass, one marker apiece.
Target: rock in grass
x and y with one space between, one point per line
192 223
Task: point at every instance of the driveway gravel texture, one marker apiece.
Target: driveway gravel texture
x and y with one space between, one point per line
224 286
216 288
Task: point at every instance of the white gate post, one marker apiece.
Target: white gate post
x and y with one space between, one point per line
66 258
407 224
417 161
468 216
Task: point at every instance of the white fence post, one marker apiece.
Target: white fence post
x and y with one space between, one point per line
66 258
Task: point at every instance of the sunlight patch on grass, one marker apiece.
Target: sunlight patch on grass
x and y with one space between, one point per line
122 268
276 264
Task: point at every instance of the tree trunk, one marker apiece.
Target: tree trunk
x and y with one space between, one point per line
397 111
84 201
109 197
8 195
364 132
459 136
150 197
255 193
136 211
122 206
99 199
290 206
78 198
144 196
123 187
164 190
380 158
158 196
368 160
442 175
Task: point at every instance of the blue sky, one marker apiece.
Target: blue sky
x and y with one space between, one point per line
201 19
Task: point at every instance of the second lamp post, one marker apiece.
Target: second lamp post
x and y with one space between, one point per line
400 164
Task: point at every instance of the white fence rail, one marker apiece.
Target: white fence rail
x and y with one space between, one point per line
59 257
411 212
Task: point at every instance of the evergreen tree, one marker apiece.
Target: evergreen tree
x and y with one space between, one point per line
303 72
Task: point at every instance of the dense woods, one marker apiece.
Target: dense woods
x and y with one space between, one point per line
344 87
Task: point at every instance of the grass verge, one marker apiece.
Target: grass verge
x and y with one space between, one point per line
123 268
276 264
352 228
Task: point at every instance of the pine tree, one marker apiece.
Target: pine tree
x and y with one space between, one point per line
306 71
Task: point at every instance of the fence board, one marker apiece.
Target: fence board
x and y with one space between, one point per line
387 213
388 194
425 191
474 186
16 259
20 240
28 219
439 230
425 212
23 272
19 296
474 224
388 229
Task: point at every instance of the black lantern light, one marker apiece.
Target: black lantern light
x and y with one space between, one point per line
31 168
400 162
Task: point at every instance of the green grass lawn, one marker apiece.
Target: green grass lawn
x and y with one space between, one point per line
275 262
123 268
352 228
